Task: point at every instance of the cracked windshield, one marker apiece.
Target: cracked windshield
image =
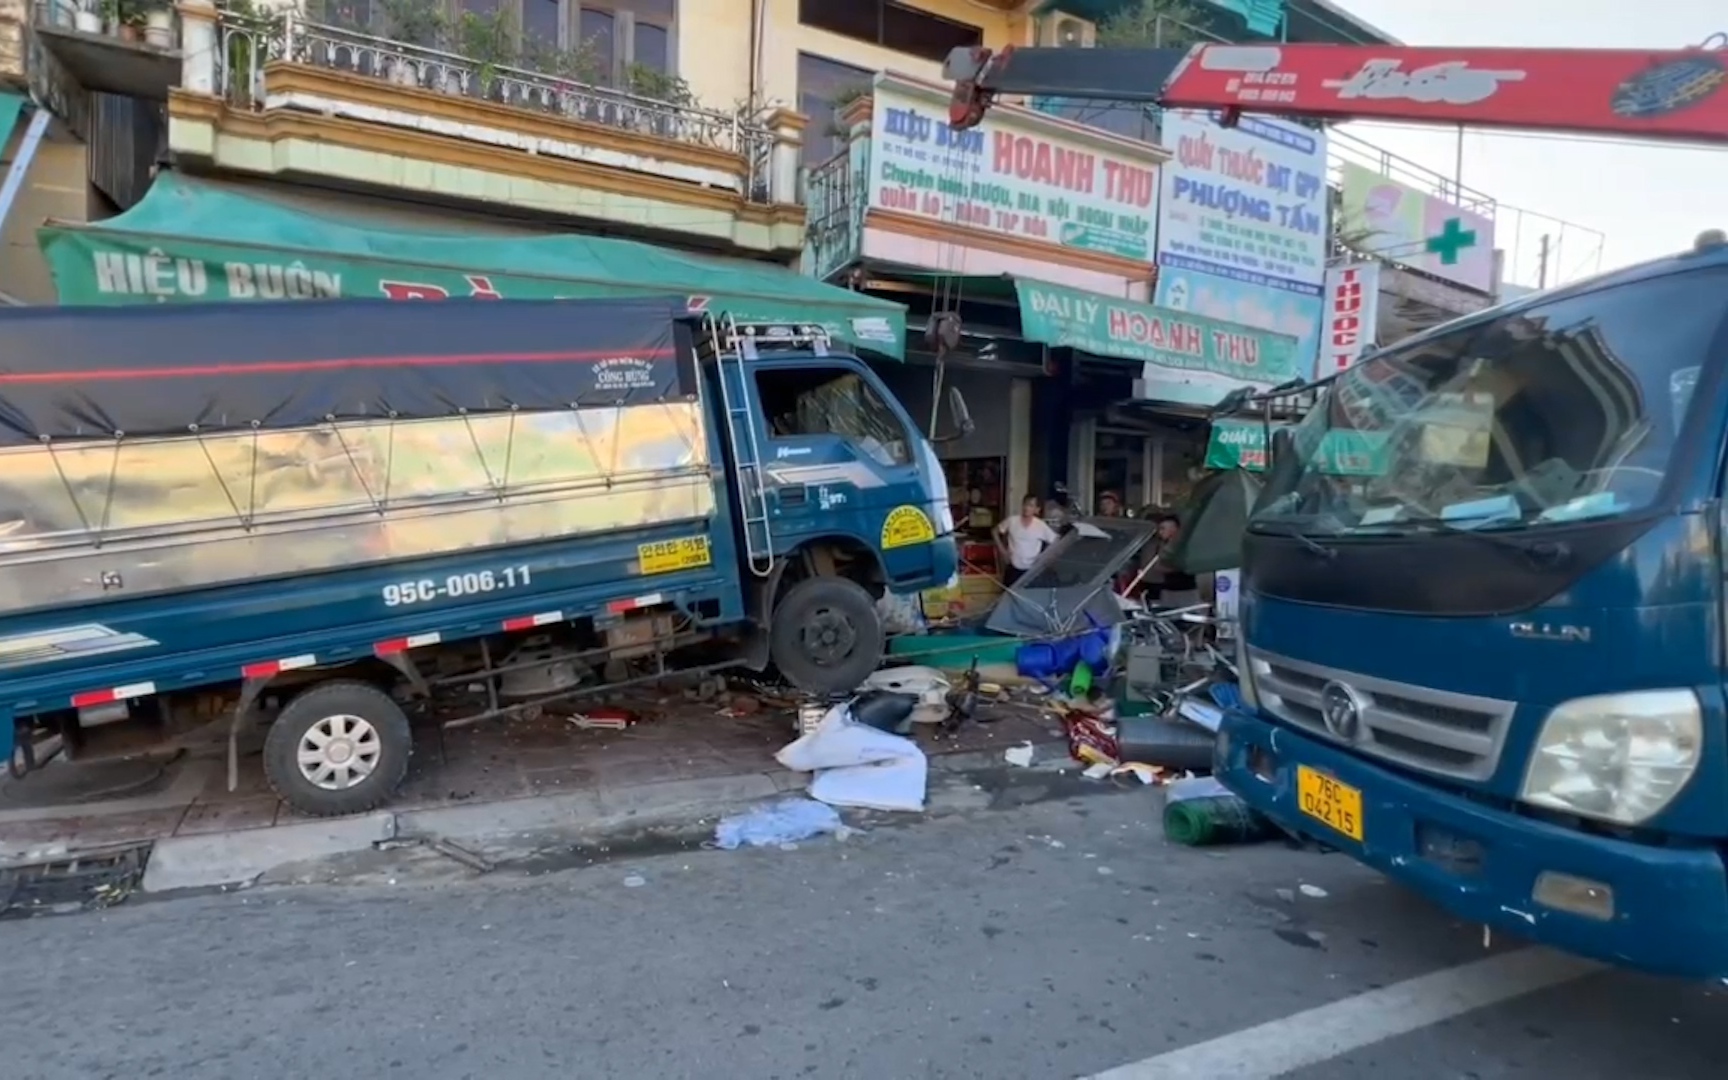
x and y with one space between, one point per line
1567 411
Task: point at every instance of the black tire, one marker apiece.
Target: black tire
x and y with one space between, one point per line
334 705
825 635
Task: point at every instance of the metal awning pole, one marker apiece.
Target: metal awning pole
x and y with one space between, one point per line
20 167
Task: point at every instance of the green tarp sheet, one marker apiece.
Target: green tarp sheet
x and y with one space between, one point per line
191 241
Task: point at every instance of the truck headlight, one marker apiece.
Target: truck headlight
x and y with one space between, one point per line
1616 757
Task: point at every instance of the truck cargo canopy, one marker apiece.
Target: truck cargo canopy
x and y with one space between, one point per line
78 373
193 241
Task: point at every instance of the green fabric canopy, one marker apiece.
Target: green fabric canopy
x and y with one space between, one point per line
192 241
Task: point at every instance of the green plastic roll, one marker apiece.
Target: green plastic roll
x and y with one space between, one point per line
1214 819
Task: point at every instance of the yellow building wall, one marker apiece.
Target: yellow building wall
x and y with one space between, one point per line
714 46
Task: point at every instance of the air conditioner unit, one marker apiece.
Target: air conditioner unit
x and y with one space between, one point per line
1060 29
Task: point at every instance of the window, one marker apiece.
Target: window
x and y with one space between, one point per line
591 40
891 25
825 87
806 401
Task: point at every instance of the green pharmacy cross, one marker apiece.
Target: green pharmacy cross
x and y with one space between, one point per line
1453 238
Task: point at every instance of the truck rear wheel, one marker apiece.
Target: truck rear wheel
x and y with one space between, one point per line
825 635
338 748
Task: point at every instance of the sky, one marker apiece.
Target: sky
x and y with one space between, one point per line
1648 199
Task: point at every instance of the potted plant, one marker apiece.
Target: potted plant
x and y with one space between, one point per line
489 43
411 22
159 24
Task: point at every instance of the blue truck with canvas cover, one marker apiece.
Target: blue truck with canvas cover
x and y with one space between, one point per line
305 515
1494 668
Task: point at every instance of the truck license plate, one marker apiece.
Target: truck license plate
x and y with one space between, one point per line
1324 799
666 556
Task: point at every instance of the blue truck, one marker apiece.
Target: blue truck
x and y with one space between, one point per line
1494 667
304 516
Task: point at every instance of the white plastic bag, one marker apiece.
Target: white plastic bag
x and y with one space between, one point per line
856 765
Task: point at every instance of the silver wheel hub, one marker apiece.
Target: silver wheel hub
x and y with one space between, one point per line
339 752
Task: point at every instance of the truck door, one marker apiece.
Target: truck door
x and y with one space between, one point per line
840 456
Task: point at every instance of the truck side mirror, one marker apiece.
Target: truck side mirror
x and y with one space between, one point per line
962 415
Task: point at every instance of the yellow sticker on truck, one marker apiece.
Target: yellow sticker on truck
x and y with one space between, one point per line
905 526
666 556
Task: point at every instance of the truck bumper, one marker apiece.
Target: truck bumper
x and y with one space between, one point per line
1482 864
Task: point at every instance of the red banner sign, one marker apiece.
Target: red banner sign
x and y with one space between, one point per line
1677 94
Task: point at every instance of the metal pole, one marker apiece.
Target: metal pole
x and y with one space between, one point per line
1458 169
21 163
1542 264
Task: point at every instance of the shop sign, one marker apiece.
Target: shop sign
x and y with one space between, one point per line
1205 355
1352 313
94 269
1417 230
1242 444
1247 202
1016 174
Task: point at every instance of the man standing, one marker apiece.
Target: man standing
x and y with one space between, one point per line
1022 539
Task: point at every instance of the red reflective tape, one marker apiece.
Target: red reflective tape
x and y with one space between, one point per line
619 607
403 644
112 694
528 622
264 669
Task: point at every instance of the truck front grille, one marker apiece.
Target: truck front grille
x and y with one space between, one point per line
1451 734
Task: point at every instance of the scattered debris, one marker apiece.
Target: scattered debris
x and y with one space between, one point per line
605 718
776 824
1099 771
1019 756
1214 819
78 881
635 881
1315 892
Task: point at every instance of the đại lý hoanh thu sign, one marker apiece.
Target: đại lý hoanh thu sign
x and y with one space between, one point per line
1186 358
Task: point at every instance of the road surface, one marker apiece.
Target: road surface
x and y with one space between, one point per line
1040 939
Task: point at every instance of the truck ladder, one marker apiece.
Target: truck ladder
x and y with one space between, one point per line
732 346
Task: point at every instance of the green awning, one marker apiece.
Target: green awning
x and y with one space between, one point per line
191 241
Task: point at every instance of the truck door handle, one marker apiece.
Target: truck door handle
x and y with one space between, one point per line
792 496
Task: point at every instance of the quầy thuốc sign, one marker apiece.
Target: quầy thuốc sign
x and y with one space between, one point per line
1015 174
1242 444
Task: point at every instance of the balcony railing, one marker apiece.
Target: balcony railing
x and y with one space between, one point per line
249 43
834 211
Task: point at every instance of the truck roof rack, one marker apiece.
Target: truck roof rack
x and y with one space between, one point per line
727 336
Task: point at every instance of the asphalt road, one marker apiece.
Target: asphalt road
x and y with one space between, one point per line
1058 939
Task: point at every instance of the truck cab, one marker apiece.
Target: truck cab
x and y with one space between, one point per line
1494 667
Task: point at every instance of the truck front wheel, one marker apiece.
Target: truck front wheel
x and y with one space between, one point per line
825 636
338 748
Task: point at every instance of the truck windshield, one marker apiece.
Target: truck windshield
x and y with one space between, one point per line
1566 411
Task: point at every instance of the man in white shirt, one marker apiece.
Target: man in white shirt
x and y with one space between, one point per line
1022 539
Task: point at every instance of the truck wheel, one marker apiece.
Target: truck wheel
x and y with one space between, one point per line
825 636
338 748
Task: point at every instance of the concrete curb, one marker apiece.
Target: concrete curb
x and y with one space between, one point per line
235 858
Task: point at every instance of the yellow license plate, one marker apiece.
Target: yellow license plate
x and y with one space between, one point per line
1324 799
665 556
